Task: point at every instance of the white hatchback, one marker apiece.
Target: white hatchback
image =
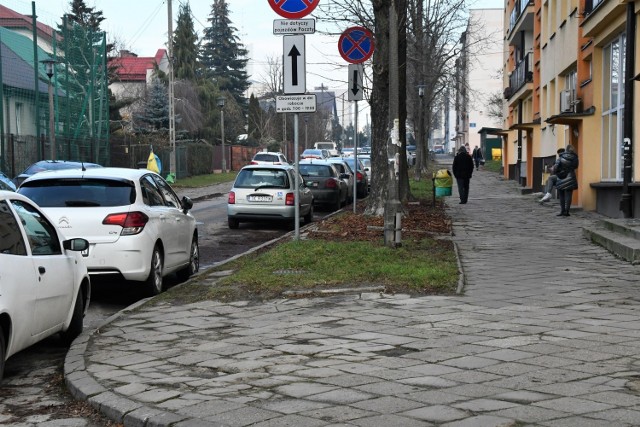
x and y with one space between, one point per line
136 225
44 283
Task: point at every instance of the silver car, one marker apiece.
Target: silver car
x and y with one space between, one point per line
267 192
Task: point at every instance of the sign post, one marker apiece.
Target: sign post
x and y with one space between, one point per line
295 81
356 46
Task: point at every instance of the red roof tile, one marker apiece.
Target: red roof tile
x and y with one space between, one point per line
12 19
134 68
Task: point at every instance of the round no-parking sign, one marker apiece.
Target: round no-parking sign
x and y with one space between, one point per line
293 9
356 45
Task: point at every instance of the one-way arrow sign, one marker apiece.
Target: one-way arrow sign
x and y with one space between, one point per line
356 92
294 65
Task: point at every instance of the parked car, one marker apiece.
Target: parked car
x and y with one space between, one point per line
311 153
45 286
46 165
269 158
438 149
346 174
136 225
324 180
267 193
5 183
331 147
347 152
362 179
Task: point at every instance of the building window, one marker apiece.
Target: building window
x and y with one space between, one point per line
613 109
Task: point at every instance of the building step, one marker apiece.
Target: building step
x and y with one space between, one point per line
621 237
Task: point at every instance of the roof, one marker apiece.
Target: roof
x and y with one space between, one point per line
12 19
92 172
134 68
16 72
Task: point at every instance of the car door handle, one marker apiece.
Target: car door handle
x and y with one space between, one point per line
42 270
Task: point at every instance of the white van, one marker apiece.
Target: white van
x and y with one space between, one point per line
331 147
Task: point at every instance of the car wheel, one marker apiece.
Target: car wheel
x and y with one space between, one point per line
233 223
154 281
308 218
3 352
194 261
75 327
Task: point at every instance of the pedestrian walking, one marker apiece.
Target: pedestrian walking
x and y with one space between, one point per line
569 162
556 173
462 170
477 157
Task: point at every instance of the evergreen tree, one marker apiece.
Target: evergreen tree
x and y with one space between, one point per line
154 115
222 56
84 15
185 46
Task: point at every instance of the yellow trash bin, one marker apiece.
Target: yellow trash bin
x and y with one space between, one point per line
443 183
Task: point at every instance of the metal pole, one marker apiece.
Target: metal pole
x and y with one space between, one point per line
224 159
172 117
355 156
626 200
36 87
297 170
52 130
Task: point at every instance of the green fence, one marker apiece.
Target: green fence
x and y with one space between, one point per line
53 90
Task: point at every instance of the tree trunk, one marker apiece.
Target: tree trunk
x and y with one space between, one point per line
380 111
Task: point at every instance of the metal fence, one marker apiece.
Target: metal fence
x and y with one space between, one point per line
53 91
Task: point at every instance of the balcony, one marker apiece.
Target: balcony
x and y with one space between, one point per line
518 10
522 74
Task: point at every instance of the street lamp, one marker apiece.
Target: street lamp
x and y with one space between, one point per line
221 105
48 66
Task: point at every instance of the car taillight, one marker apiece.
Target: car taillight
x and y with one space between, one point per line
359 176
290 199
331 183
253 163
131 222
232 198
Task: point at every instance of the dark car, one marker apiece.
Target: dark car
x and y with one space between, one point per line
47 165
325 183
362 179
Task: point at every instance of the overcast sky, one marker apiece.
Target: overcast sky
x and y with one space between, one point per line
142 26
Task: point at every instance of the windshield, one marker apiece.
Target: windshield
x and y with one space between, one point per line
59 193
262 178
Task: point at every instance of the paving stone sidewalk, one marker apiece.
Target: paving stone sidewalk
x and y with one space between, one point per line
546 333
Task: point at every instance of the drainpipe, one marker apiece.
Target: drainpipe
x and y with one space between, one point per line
626 201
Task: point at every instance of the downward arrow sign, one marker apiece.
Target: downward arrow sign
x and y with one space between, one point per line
294 54
354 88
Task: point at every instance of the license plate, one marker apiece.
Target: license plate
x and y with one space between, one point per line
260 198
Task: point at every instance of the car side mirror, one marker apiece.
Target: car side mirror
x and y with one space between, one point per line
77 245
187 204
344 176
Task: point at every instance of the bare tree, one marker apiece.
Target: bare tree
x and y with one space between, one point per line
435 27
187 106
273 79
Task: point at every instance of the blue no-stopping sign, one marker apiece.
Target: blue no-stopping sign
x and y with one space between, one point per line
356 45
293 9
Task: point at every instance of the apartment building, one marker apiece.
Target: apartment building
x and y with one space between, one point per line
564 80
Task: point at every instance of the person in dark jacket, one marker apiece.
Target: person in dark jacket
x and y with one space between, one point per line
477 157
569 162
462 170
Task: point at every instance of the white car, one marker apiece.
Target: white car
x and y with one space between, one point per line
269 158
136 225
267 193
44 283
